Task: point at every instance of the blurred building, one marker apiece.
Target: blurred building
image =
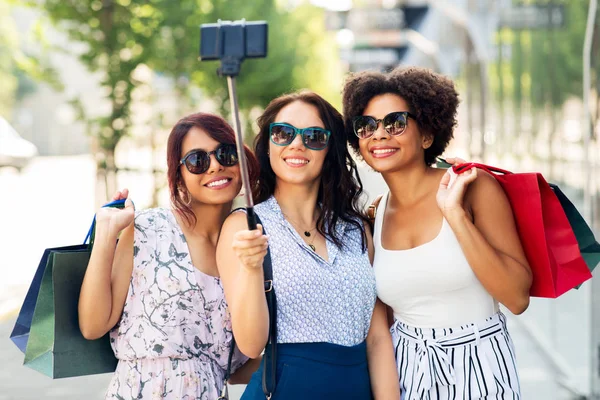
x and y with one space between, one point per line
381 34
46 116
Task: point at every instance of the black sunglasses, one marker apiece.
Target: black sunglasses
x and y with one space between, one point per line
283 134
394 124
198 161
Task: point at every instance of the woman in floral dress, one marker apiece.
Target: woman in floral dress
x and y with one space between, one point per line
158 291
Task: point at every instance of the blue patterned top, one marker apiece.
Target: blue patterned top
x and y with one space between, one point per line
317 300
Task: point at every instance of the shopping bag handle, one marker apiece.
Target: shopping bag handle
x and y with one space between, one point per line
460 168
90 234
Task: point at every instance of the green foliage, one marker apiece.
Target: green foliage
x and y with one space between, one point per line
20 71
120 35
545 66
296 56
8 47
116 34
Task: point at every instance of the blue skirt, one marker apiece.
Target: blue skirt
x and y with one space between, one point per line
316 371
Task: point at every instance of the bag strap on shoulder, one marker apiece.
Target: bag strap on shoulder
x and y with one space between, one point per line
459 169
372 209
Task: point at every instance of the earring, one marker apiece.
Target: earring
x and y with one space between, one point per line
185 193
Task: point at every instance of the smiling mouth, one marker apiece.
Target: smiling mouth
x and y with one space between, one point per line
380 153
296 162
218 184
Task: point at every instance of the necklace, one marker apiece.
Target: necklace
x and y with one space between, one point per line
311 245
307 233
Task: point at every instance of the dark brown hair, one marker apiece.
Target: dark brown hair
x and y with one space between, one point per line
340 188
215 127
431 97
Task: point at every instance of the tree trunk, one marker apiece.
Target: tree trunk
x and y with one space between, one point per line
482 107
500 134
248 128
518 94
553 102
469 96
158 180
110 177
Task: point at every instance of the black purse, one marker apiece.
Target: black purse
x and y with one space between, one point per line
269 375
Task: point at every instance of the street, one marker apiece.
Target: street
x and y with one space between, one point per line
21 383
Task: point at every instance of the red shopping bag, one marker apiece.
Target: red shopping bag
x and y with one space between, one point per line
546 235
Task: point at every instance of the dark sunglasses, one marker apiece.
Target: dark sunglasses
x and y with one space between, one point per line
394 124
198 161
283 134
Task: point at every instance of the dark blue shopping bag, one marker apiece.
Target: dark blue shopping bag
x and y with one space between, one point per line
20 332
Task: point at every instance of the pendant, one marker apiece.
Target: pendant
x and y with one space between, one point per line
307 233
312 247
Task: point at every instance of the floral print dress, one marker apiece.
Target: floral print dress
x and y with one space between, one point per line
174 337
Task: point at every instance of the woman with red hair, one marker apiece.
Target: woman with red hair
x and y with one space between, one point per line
158 291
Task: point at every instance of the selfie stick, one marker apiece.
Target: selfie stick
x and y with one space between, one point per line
239 143
231 42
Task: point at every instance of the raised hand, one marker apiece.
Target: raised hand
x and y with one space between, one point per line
452 190
251 247
114 219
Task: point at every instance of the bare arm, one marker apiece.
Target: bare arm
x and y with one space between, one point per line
243 374
490 241
380 357
380 349
106 282
240 255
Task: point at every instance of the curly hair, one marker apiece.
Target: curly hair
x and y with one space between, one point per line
340 189
431 97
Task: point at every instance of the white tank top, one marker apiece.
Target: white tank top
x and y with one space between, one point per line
431 285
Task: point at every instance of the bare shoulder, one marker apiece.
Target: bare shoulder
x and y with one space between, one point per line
486 193
485 186
234 222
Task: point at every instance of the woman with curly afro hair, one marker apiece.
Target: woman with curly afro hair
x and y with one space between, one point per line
446 247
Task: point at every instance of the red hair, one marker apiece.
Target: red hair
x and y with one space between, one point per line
218 129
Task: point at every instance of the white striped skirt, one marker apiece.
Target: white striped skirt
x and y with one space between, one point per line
473 361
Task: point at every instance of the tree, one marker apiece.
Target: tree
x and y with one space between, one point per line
123 35
545 65
19 70
563 48
117 34
300 55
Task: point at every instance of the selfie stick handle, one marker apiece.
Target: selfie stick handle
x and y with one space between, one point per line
239 143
